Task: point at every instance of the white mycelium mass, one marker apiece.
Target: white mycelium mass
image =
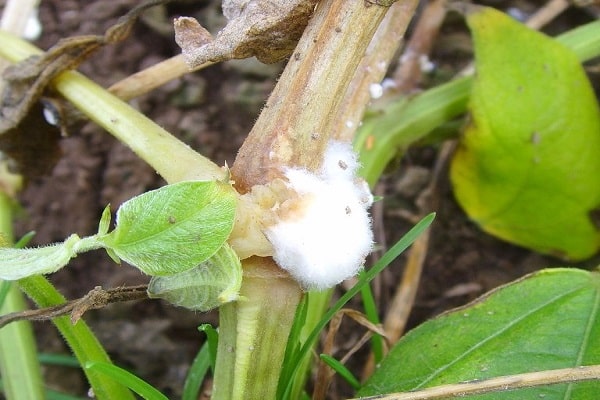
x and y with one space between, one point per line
323 235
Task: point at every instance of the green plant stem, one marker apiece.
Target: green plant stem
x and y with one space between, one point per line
254 332
19 365
83 343
171 158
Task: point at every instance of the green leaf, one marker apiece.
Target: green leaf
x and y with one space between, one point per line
341 370
547 320
196 374
174 228
526 169
212 339
127 379
20 263
214 282
104 224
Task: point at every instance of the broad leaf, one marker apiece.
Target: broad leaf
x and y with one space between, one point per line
174 228
547 320
214 282
527 167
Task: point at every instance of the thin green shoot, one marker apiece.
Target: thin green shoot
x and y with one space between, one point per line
341 370
60 360
197 373
212 340
4 288
127 379
294 340
52 394
24 241
388 257
373 316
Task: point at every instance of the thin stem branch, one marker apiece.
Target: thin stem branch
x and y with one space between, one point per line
499 384
152 77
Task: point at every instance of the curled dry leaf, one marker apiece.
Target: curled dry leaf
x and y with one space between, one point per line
27 140
266 29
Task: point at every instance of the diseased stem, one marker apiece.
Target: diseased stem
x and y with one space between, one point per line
254 332
301 115
296 123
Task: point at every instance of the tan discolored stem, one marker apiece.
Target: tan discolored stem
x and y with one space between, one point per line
296 123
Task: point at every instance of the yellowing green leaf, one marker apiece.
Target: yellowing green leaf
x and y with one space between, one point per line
174 228
528 166
214 282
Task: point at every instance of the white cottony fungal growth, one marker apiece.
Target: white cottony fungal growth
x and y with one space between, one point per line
375 90
323 235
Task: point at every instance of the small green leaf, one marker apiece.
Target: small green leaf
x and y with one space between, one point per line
212 339
341 370
196 374
547 320
214 282
104 224
526 169
174 228
20 263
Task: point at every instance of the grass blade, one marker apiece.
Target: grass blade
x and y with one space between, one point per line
197 373
127 379
341 370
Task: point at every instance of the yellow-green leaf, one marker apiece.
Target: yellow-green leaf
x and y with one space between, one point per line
528 166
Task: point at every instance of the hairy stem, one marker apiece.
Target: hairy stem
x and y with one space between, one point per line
254 333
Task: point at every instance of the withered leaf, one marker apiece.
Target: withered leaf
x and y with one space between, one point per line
266 29
26 81
32 147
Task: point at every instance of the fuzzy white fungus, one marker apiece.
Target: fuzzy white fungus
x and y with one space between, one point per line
375 90
323 233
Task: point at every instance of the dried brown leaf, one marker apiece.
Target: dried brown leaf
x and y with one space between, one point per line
30 143
266 29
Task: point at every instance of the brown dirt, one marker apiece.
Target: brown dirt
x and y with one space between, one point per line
212 110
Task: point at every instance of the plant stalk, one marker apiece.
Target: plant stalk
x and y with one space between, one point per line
296 123
254 333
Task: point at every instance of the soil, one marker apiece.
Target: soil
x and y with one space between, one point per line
213 110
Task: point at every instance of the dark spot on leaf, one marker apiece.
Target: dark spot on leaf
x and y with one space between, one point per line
172 219
595 217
